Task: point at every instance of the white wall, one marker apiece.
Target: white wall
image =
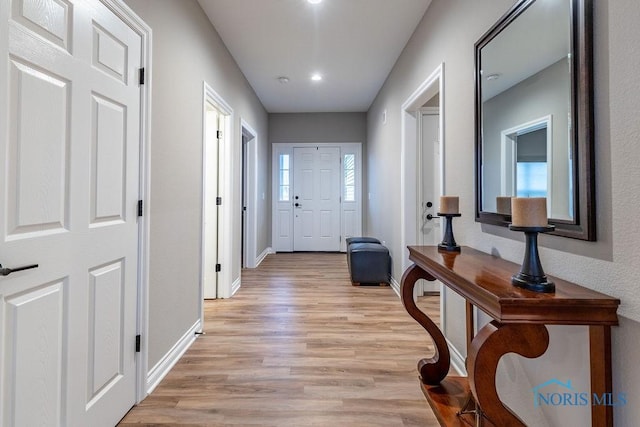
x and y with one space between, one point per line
186 52
447 34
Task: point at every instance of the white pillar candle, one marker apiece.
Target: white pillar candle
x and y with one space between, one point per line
529 211
449 205
503 205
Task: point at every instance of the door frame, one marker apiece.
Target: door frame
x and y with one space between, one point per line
285 244
225 174
508 157
129 17
409 184
250 173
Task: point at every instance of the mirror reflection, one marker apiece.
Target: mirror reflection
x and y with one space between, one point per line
525 79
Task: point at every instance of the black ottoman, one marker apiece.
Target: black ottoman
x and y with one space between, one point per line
369 263
351 240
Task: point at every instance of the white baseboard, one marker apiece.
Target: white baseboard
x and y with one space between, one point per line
162 368
264 254
457 361
235 286
395 286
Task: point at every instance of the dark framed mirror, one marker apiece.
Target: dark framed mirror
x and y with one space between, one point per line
534 114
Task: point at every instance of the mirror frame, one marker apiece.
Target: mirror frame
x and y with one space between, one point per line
583 226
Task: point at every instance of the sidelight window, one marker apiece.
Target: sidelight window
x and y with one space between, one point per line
349 177
284 166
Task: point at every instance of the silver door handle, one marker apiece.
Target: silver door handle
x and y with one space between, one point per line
4 271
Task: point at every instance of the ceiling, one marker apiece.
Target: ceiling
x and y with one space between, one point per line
537 38
353 44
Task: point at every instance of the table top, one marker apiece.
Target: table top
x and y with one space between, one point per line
485 281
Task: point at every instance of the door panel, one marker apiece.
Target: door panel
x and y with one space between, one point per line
70 135
106 288
33 353
49 19
31 163
108 163
316 183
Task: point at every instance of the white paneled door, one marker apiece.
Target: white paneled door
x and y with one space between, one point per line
69 150
316 198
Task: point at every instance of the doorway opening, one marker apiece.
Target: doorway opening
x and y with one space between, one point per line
249 198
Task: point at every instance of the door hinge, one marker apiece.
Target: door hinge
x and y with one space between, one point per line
141 76
137 343
219 134
340 239
219 201
139 207
218 268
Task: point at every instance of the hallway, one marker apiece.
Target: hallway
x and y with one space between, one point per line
298 346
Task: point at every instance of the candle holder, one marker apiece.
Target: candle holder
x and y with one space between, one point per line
531 275
448 241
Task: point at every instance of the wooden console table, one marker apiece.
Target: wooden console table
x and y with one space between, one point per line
518 326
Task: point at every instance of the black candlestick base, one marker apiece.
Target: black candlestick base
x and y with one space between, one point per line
531 275
448 241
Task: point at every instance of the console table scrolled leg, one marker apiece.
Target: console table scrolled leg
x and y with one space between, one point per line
491 343
432 370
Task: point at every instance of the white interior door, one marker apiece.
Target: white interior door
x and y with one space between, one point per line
316 199
429 230
70 139
211 191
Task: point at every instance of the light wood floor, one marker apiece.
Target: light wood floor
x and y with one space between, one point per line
299 346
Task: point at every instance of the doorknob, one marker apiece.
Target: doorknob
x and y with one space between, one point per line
4 271
297 205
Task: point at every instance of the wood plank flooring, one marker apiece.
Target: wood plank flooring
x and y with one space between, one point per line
299 346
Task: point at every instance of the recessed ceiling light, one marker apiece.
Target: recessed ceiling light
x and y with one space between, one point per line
316 77
314 1
283 79
494 76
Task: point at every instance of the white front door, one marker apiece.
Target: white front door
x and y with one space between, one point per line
69 146
316 198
